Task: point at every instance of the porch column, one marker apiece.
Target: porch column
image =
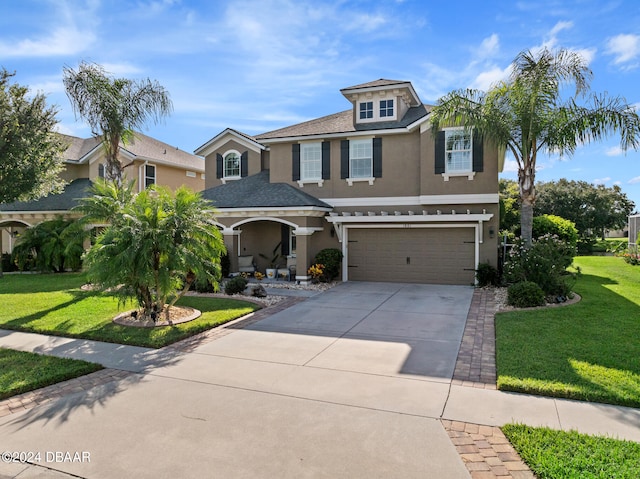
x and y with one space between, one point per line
231 239
303 259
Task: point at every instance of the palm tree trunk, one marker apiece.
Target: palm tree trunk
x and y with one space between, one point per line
526 181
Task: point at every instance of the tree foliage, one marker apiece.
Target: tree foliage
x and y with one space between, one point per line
526 115
114 108
30 150
157 244
54 245
564 229
593 208
509 205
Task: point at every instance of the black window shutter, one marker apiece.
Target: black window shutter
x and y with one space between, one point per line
219 166
344 159
377 157
284 239
326 160
478 153
440 147
244 164
295 161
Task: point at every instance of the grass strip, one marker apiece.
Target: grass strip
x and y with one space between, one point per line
21 372
552 454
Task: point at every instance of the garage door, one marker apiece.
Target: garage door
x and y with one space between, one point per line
416 255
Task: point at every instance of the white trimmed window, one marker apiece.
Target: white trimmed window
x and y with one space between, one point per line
458 150
366 110
310 161
149 175
386 108
361 158
232 165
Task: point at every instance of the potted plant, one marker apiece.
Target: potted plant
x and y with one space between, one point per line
273 261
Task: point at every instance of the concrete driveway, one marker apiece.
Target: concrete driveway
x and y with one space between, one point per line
348 383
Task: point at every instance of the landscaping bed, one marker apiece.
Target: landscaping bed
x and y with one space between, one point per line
55 304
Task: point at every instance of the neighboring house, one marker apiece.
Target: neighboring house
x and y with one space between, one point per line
373 181
146 161
634 229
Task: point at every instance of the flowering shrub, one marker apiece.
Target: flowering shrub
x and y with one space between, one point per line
631 255
316 271
331 258
545 263
259 276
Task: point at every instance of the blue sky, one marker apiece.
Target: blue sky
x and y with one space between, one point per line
258 65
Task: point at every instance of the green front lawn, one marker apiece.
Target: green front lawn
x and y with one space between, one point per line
54 304
558 454
21 372
588 351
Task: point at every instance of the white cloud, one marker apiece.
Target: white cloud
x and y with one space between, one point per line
624 47
489 46
60 42
613 151
486 79
551 39
65 37
121 69
601 181
510 165
617 182
634 181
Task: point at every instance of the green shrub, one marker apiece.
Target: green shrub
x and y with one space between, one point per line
235 285
225 265
545 263
487 275
525 294
331 258
8 264
555 225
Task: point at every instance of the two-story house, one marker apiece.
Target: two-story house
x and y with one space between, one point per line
401 203
146 161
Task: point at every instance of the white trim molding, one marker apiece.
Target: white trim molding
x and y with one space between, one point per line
464 199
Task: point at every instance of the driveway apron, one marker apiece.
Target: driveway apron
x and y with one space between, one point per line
349 383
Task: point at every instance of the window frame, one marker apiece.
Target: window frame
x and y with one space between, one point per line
225 174
352 144
367 110
444 167
147 177
305 161
387 111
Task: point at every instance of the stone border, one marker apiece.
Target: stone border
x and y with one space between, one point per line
125 318
486 452
476 362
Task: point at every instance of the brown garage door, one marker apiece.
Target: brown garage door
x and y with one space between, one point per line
416 255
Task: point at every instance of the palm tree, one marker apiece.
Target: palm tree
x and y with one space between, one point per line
157 244
527 115
114 107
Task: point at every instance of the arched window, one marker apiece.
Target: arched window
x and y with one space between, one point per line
232 164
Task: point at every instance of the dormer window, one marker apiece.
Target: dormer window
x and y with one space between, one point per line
366 110
386 108
232 165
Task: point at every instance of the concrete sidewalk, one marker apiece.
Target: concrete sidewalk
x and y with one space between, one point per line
354 382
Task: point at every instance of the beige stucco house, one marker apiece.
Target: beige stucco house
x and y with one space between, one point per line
145 159
401 203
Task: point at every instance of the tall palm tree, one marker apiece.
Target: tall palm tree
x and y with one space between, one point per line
526 115
114 107
156 245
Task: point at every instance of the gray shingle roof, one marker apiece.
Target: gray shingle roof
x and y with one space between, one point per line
257 192
61 202
343 123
